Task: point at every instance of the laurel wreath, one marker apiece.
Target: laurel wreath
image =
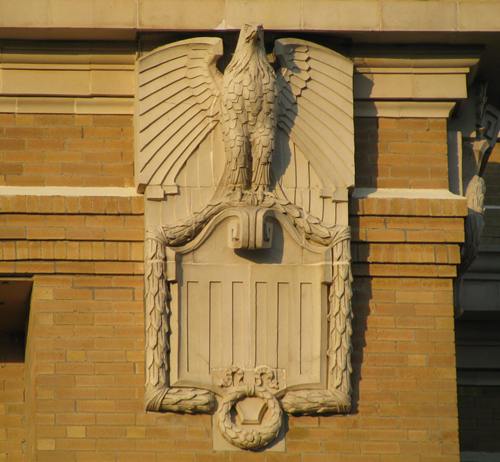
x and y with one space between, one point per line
252 438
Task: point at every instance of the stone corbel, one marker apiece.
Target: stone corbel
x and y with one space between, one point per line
252 229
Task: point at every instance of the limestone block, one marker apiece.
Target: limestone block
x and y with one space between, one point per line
417 15
410 86
341 15
478 15
273 14
180 14
31 13
39 82
111 83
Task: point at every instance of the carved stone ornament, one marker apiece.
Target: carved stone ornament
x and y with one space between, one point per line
247 249
476 153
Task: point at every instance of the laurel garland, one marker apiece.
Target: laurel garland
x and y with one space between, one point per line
309 226
252 438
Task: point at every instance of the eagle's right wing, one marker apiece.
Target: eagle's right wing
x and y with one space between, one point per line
177 106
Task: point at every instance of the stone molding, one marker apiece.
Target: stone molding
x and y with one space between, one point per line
404 193
51 19
69 105
90 79
418 75
404 109
68 191
67 80
101 80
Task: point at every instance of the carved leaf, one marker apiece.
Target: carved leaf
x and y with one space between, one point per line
340 319
316 107
177 106
156 314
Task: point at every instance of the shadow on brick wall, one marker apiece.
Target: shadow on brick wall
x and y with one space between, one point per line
362 294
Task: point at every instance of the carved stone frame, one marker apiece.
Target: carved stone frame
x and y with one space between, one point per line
321 126
161 397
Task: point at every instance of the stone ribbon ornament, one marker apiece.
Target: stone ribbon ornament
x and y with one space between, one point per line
247 249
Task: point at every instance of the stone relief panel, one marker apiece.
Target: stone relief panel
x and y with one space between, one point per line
247 248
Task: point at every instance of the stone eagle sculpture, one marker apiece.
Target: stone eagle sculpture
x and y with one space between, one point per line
248 110
182 96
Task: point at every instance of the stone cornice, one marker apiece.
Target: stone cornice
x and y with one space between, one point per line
418 75
56 19
100 79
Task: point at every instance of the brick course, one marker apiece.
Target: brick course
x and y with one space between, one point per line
12 419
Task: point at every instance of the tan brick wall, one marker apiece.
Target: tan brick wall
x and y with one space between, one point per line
96 235
401 153
86 344
88 385
12 410
66 150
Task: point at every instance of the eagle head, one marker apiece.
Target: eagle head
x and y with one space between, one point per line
249 49
251 35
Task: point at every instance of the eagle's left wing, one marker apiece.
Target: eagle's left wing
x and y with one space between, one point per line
316 107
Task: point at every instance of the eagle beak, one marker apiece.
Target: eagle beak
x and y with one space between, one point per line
254 33
251 35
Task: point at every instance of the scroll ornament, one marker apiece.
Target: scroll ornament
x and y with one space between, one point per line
305 98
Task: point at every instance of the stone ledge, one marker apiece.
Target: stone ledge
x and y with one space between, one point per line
403 193
69 191
403 109
54 105
407 202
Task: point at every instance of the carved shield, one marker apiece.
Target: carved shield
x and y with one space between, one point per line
247 286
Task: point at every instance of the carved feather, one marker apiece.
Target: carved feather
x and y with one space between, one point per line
178 105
